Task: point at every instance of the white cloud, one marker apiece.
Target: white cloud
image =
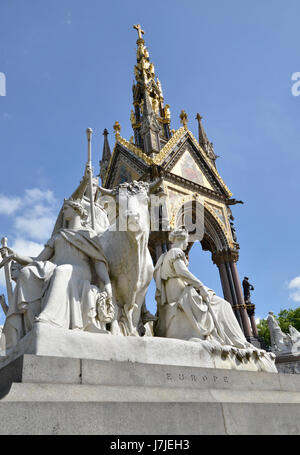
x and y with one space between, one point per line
9 205
36 213
27 247
35 195
36 228
294 286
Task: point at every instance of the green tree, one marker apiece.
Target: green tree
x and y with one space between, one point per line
264 332
289 317
285 318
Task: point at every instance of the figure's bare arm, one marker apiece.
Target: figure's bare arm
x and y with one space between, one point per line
79 192
102 273
184 273
25 260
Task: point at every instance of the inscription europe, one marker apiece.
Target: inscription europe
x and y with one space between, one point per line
193 378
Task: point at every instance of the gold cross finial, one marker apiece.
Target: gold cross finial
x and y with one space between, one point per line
139 30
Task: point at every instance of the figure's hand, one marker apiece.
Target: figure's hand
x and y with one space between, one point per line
108 290
87 171
204 294
7 251
6 260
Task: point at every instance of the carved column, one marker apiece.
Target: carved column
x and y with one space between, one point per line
225 283
251 314
234 296
240 298
220 259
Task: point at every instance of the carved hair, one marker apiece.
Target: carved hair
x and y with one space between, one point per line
180 234
77 207
134 187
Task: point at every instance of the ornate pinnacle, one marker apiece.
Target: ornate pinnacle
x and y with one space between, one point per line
117 128
184 118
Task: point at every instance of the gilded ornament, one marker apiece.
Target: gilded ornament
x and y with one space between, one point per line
183 118
117 128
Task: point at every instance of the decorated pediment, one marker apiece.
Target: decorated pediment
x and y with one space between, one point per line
188 168
125 166
186 159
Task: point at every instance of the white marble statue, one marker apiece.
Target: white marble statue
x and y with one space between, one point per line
282 342
66 286
295 338
126 251
189 310
82 193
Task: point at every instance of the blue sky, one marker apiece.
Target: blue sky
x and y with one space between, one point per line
69 65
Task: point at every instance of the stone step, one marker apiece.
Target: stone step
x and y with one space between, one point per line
31 368
80 417
37 392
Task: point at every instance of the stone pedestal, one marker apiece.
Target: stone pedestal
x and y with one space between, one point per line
56 395
144 386
288 363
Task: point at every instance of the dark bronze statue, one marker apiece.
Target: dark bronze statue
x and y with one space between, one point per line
247 288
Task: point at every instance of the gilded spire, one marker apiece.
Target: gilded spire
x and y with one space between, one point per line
147 88
149 127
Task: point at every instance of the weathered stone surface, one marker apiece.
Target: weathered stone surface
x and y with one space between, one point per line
51 341
288 362
53 395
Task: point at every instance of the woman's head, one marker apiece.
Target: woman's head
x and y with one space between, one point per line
76 206
179 236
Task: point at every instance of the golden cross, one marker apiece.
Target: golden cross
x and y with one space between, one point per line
139 30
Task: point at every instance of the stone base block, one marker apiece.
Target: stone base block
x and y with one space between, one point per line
51 341
44 395
288 363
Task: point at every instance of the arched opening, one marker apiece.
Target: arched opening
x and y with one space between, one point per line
201 265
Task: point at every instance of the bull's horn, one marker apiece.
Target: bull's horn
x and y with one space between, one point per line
156 182
106 191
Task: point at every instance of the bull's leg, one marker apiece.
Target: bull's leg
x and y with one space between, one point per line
140 299
129 310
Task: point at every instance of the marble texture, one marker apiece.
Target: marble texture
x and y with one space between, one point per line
46 340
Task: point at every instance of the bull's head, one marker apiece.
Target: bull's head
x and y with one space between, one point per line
132 204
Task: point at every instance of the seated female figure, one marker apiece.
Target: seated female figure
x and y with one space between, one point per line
55 288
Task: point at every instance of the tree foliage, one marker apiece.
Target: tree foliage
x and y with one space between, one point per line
263 332
285 318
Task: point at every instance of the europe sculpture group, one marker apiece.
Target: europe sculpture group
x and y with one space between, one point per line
93 277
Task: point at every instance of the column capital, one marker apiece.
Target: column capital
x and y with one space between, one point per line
220 257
